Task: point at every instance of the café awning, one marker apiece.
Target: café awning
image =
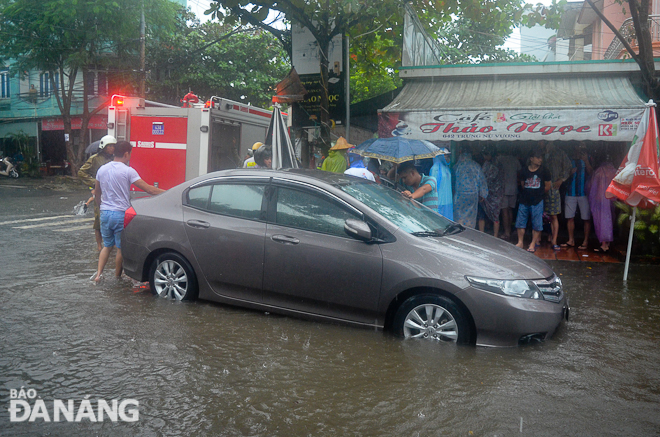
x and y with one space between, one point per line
515 109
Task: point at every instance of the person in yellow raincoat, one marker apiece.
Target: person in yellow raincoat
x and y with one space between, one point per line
336 160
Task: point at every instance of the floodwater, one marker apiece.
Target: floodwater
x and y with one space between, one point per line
206 369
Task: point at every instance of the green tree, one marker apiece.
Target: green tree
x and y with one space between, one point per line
375 58
323 18
212 59
67 37
467 41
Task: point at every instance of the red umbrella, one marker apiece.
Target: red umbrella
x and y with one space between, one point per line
637 182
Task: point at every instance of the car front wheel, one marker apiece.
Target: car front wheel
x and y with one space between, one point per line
432 317
172 276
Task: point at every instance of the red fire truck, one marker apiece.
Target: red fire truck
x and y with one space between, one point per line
173 144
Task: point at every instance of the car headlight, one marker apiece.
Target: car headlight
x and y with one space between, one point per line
516 288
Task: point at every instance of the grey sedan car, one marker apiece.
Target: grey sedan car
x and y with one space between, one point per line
337 248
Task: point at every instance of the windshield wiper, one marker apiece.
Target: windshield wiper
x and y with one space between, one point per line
427 234
451 229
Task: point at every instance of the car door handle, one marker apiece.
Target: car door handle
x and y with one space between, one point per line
285 239
198 224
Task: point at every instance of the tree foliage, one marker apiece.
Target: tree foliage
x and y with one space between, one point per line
213 59
372 70
68 37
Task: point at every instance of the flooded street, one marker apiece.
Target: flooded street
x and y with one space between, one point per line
205 369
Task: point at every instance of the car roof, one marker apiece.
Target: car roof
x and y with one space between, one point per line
297 174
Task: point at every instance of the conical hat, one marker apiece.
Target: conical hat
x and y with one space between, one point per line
341 144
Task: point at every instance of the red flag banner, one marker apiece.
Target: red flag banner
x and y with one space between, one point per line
636 181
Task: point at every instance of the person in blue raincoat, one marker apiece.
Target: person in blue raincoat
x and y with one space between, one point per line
441 172
357 168
471 188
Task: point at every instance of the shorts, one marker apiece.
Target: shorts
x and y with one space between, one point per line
112 223
573 202
552 202
97 217
508 201
536 212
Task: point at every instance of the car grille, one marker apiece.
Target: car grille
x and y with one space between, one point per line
551 288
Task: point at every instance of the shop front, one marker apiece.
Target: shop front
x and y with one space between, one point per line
514 107
53 144
592 109
491 110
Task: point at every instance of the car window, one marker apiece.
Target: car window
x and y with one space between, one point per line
238 200
199 196
407 214
311 212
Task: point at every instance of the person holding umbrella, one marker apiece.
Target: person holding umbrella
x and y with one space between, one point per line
336 160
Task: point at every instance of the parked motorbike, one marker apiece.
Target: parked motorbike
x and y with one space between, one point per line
7 168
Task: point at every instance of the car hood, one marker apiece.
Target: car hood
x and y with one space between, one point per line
474 253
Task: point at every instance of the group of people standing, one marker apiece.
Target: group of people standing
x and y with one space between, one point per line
532 189
508 190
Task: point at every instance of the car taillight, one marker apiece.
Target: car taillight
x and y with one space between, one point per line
129 215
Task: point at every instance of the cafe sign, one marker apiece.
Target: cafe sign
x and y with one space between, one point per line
513 125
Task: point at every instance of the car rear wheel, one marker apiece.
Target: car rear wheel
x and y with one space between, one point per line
172 276
432 317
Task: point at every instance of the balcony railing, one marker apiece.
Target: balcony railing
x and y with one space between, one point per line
628 31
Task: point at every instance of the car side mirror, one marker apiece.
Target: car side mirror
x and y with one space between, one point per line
357 229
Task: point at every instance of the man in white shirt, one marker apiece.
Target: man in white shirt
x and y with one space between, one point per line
112 189
357 168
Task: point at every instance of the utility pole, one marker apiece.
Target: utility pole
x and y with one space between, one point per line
143 75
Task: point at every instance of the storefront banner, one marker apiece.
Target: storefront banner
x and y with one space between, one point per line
513 125
96 122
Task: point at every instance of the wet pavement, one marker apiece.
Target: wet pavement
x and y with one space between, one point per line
206 369
546 252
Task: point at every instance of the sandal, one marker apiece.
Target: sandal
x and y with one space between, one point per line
556 247
568 245
531 250
601 250
583 247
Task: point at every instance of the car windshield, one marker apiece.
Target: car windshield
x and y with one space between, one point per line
405 213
